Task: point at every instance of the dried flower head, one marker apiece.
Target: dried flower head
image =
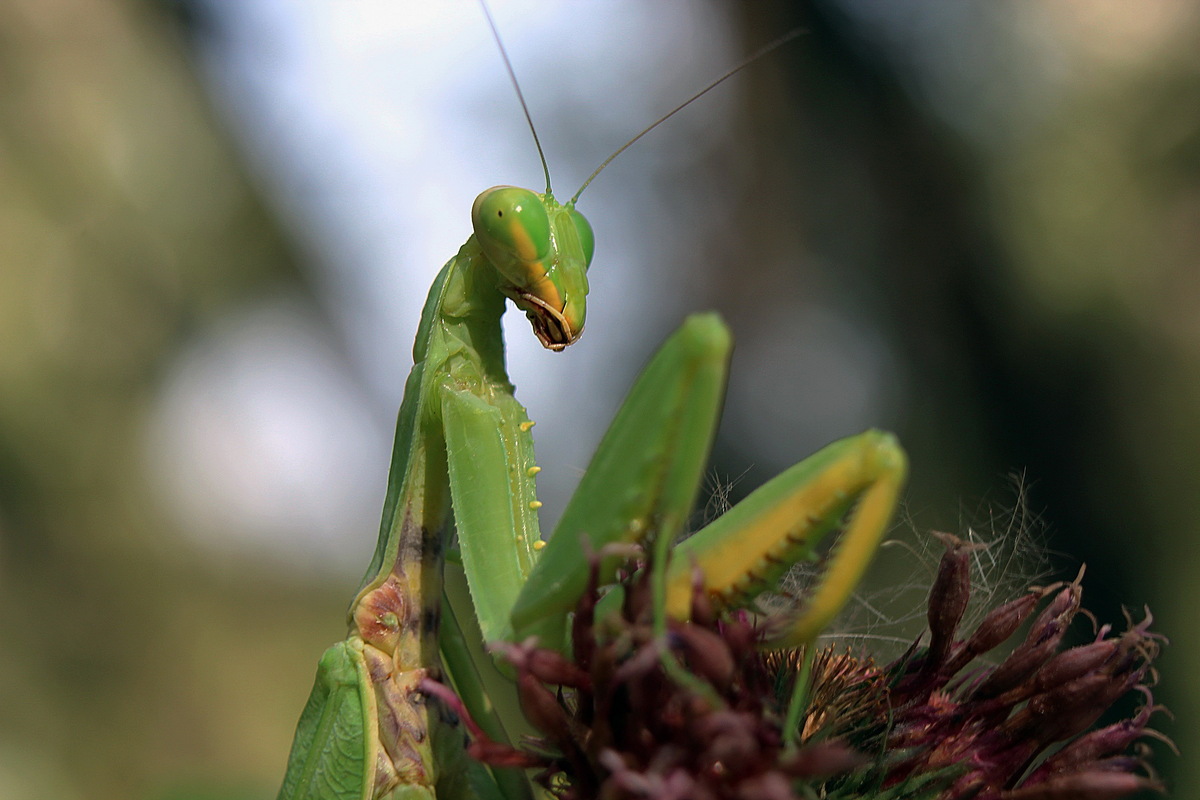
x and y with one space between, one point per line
1002 727
700 713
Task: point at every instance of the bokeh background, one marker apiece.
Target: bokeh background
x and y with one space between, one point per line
976 224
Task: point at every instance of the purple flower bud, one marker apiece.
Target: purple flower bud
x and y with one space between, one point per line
1097 785
1097 744
502 755
730 739
1071 664
826 758
996 627
767 786
1039 646
542 709
948 598
706 652
703 612
549 666
1069 708
642 662
740 632
583 625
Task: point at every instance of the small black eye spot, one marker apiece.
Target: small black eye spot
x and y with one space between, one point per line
500 213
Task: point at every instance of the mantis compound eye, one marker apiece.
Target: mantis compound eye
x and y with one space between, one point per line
513 229
587 239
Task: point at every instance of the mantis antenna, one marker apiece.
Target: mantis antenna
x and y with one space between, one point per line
747 61
521 96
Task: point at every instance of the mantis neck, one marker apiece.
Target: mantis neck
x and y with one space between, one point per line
459 343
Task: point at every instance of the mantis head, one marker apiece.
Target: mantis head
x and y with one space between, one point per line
542 250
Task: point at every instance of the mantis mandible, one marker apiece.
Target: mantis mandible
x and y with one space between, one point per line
463 445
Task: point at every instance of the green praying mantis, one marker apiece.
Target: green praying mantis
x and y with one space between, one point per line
463 449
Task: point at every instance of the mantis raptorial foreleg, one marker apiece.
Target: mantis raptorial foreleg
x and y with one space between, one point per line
750 547
643 480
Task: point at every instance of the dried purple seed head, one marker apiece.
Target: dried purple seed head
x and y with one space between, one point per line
617 724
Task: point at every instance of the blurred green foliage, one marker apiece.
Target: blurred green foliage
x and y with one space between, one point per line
1040 286
125 223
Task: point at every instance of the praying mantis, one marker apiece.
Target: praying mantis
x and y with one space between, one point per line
464 450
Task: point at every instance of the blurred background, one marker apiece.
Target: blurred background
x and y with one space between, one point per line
975 224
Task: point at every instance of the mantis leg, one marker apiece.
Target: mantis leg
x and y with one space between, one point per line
490 467
337 713
490 461
334 756
488 694
644 477
750 546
